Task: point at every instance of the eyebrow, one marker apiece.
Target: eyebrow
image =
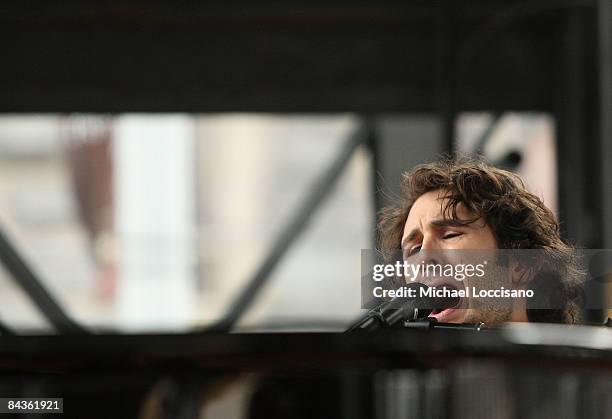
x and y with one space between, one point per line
439 222
449 222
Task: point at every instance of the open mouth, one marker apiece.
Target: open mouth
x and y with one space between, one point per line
447 304
440 310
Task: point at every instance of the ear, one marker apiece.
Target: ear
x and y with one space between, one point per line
520 273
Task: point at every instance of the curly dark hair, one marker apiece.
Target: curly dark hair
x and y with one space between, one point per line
518 219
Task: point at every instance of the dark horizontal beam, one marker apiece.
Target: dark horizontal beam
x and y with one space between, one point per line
269 57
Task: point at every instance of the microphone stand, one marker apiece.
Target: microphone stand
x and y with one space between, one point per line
430 323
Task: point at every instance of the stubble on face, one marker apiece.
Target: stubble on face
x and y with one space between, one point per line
493 311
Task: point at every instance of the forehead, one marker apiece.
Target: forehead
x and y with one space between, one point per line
430 203
430 206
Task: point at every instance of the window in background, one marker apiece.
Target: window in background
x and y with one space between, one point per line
151 222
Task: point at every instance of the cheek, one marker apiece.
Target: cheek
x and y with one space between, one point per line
481 240
490 240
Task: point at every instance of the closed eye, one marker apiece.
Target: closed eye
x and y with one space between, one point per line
414 250
451 235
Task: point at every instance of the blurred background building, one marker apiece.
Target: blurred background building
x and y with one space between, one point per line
163 166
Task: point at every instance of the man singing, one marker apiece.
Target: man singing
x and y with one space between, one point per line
467 204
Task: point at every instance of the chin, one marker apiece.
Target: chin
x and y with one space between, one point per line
488 317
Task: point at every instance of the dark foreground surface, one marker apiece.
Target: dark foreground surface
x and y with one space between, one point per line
524 371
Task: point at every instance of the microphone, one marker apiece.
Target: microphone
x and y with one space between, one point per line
399 310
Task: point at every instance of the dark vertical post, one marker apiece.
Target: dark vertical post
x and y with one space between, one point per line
445 72
580 170
604 14
571 133
372 142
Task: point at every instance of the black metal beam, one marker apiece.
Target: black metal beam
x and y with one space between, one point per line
31 285
604 13
487 134
320 191
574 118
445 69
293 56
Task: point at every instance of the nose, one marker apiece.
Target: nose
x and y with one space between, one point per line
428 243
425 258
429 252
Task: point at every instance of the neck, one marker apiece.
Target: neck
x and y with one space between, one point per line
519 311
